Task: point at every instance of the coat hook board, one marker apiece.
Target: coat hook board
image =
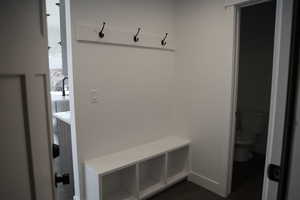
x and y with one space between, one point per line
108 35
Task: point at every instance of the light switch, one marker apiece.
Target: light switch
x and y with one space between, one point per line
94 96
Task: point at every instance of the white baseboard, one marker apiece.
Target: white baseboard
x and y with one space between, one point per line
207 183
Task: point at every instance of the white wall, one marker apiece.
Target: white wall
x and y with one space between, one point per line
145 94
204 74
54 35
134 85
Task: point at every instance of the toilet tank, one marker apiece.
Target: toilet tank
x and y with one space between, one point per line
254 122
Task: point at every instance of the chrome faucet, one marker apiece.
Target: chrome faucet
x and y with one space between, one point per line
63 86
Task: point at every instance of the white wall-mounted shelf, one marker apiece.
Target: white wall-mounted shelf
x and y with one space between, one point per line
89 33
139 172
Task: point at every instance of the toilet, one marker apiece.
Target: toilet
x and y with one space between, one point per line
249 126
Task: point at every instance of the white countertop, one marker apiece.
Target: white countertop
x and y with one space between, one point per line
63 116
57 96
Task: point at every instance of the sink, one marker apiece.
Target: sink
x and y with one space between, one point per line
57 96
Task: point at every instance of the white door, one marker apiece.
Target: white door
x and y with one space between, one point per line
25 131
282 40
284 13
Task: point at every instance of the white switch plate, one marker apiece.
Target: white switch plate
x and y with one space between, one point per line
94 96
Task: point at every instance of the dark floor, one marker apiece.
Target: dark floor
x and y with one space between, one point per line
246 185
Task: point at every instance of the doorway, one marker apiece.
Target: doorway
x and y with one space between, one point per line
253 91
63 151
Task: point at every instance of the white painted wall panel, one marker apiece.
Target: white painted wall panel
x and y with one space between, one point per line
134 85
204 74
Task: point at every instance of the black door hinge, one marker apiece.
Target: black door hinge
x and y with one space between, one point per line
274 172
64 179
55 150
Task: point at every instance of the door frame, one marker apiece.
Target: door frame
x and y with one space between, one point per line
76 164
290 121
282 40
67 29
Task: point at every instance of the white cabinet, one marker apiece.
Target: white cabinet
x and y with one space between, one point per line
139 172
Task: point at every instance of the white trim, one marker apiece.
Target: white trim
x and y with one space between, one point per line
283 28
278 93
243 3
72 103
207 183
235 63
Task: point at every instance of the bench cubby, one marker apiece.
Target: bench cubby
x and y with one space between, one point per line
177 164
152 175
120 185
139 172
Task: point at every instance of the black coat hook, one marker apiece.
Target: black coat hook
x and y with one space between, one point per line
101 34
136 38
163 41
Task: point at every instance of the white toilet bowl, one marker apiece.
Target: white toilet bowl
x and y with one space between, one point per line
243 149
251 124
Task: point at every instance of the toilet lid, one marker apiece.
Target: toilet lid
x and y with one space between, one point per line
244 142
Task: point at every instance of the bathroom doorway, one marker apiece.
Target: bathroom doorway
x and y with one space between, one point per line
64 146
253 91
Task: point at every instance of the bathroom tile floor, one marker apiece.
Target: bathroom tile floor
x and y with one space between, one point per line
247 185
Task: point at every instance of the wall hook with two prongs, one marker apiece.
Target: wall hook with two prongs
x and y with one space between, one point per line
101 33
135 37
163 41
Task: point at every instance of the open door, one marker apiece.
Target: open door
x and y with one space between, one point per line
25 144
277 118
279 92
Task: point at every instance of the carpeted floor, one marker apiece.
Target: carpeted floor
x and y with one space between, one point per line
246 185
